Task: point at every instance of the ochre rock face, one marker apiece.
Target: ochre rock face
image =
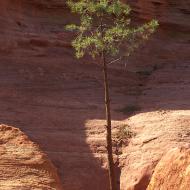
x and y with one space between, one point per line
169 12
157 133
23 165
31 26
172 171
59 102
40 24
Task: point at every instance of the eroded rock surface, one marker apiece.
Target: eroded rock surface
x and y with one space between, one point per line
157 132
163 122
22 165
58 101
168 12
172 171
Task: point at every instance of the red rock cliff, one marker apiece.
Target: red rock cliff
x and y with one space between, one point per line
168 12
58 103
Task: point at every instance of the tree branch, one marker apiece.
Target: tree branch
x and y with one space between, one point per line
114 61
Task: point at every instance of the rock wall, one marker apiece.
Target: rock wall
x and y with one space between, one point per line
168 12
31 25
172 171
23 165
58 103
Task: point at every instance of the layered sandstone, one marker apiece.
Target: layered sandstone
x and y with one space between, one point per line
170 12
22 165
58 102
172 171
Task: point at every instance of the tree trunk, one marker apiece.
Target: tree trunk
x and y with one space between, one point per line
108 127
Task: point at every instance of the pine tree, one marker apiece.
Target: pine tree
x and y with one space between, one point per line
105 28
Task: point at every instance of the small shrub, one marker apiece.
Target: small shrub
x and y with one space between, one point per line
125 133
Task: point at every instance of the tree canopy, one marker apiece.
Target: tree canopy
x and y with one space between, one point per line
105 26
